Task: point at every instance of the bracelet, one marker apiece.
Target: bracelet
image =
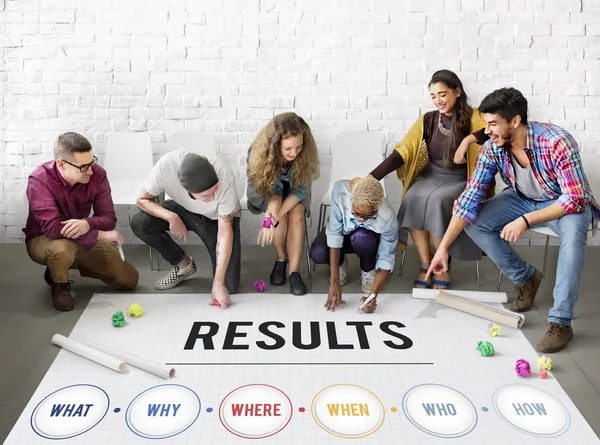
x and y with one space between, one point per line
526 222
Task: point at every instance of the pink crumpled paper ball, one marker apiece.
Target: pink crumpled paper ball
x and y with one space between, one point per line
260 286
267 222
522 368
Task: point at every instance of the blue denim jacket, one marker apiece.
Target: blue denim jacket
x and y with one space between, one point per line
342 222
257 203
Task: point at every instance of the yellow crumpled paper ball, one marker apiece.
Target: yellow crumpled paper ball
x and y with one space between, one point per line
494 331
544 363
135 310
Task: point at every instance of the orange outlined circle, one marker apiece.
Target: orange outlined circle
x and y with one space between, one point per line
322 426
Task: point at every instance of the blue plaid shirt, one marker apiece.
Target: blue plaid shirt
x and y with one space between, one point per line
556 163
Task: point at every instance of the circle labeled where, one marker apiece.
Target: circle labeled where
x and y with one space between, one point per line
531 410
348 411
439 410
163 411
70 411
255 411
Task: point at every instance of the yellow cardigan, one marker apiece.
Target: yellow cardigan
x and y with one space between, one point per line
413 150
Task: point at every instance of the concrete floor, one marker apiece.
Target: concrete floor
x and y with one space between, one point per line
28 320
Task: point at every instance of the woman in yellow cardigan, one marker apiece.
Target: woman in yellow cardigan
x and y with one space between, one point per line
425 163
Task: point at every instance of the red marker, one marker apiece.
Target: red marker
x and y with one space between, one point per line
216 303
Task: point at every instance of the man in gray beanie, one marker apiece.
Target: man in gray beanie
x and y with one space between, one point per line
201 196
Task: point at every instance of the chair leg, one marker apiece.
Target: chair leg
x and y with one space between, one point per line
546 255
307 247
477 274
150 258
158 261
499 282
401 268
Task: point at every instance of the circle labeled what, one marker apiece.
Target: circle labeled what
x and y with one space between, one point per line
70 411
440 410
255 411
163 411
348 411
531 410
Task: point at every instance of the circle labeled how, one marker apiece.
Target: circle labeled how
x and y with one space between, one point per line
255 411
70 411
348 411
163 411
440 410
531 410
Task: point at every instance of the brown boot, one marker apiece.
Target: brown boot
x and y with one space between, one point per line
555 339
61 296
526 293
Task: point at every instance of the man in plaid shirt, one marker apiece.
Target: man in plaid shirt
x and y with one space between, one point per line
547 187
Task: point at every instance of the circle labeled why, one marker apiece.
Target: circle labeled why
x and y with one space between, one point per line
439 410
255 411
70 411
348 411
163 411
532 410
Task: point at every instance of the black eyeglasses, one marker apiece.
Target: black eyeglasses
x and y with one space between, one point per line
85 167
362 215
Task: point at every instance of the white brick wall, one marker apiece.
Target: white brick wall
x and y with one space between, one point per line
226 66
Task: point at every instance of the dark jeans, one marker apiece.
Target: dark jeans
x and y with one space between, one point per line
362 242
153 231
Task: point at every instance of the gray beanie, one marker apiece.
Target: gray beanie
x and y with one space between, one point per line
196 173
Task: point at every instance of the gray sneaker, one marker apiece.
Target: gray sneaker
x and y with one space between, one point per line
176 276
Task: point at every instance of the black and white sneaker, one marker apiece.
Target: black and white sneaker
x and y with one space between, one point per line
176 276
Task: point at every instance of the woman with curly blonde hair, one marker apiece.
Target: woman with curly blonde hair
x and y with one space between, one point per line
282 163
362 221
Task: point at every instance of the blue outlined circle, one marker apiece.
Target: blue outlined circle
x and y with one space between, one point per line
74 435
542 436
165 437
429 432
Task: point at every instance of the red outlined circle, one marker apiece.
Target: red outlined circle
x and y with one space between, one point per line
235 433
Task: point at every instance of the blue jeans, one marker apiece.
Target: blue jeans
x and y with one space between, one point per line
572 233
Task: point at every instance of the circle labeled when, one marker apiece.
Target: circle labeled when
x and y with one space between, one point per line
163 411
255 411
70 411
531 410
348 411
439 410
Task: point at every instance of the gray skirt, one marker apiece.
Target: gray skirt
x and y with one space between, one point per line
428 204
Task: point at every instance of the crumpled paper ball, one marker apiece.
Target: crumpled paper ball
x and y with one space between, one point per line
494 331
135 310
267 222
522 368
543 374
485 348
260 286
544 363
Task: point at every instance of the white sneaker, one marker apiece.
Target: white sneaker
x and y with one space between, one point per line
367 279
343 274
176 276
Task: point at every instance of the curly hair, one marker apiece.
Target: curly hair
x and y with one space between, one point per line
265 160
367 192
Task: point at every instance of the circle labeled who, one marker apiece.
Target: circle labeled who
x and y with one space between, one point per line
70 411
348 411
163 411
531 410
255 411
440 410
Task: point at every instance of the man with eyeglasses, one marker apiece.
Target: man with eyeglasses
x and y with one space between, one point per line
60 233
362 221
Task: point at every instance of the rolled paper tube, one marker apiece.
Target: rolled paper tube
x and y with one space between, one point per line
483 297
141 363
496 315
90 353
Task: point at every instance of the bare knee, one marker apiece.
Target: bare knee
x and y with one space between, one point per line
296 213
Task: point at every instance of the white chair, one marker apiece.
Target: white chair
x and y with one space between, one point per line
128 162
201 143
592 160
